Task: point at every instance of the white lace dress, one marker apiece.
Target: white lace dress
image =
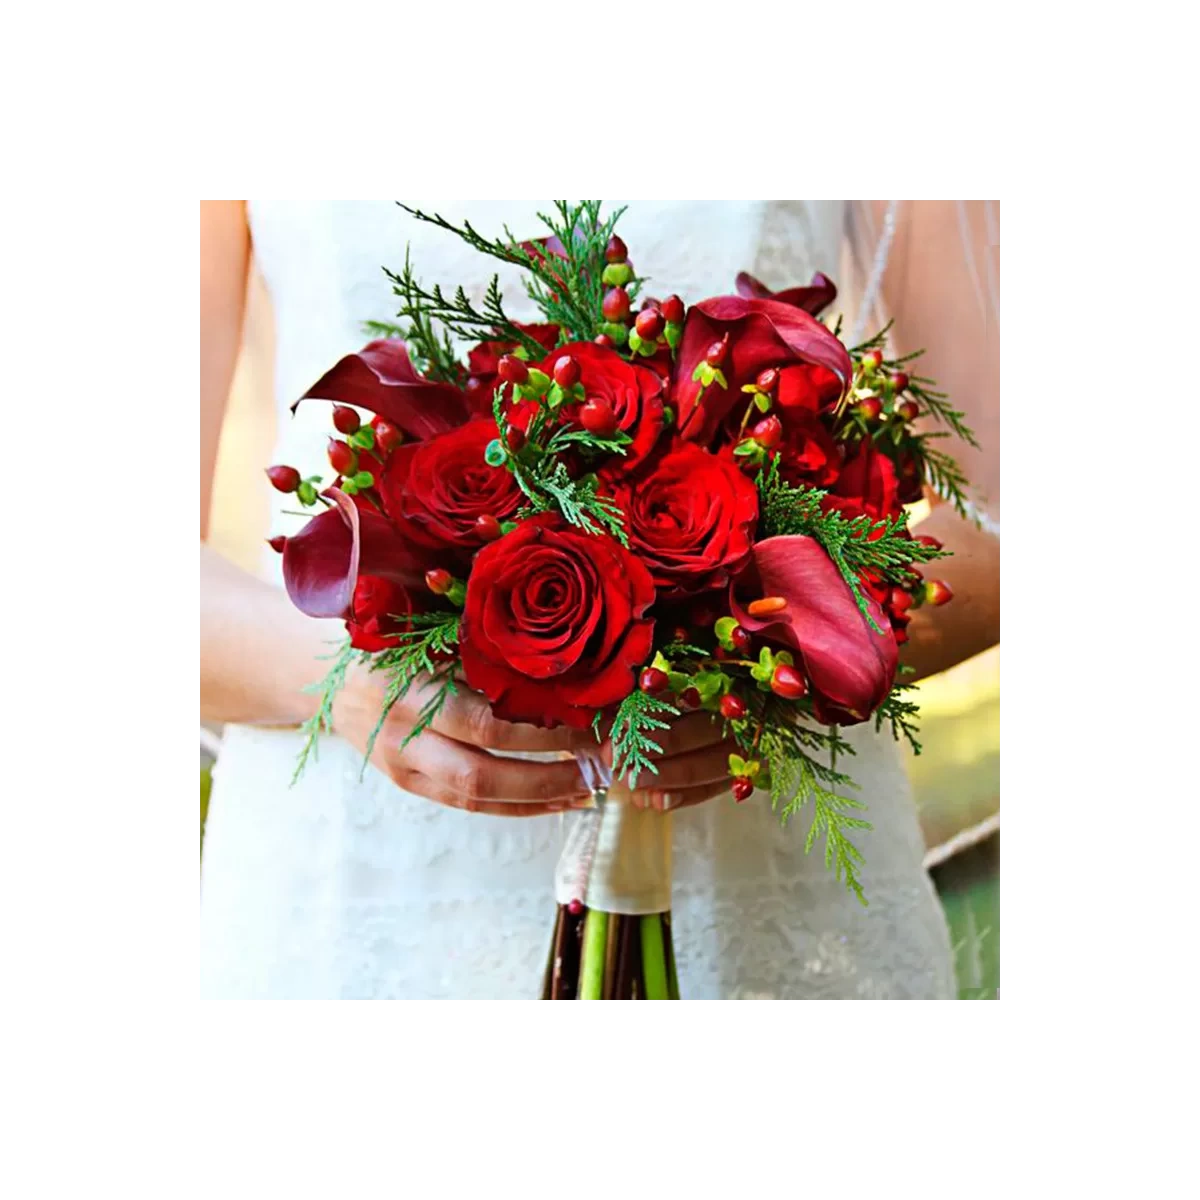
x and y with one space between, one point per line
341 888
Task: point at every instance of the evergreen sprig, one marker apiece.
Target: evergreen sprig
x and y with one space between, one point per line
902 714
944 475
855 544
634 728
433 355
327 689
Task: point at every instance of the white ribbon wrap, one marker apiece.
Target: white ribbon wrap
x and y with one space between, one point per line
617 857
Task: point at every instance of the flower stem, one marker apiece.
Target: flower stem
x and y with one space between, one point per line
595 939
654 962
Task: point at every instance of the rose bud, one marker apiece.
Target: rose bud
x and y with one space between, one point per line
653 681
900 381
690 698
900 600
767 432
672 310
439 581
602 339
649 324
715 354
566 372
513 370
873 360
733 708
869 408
597 417
926 540
487 527
387 436
514 438
342 457
615 305
907 410
284 479
277 543
345 420
767 380
741 639
788 682
937 591
616 250
743 788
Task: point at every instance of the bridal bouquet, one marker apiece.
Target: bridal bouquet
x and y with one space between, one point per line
635 509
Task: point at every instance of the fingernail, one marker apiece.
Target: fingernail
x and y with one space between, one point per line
642 799
588 801
670 800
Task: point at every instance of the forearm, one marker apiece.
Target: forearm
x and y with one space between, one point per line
943 636
257 652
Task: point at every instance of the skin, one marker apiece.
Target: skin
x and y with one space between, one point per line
258 651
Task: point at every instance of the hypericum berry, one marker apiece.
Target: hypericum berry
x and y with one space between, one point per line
927 540
342 457
740 639
767 432
900 600
788 682
514 438
743 788
869 408
284 479
873 360
615 305
650 323
690 698
733 708
345 420
616 250
575 907
513 370
937 591
439 581
715 354
602 339
901 636
766 606
767 380
597 417
653 681
672 310
387 436
277 543
487 527
899 381
907 410
566 371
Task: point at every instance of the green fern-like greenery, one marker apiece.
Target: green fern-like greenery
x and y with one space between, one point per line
901 714
327 690
639 719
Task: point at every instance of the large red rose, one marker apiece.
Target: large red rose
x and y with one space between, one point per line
808 455
632 391
435 491
554 624
762 334
378 612
690 520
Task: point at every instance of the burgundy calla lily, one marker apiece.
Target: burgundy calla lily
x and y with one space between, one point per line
764 333
381 379
322 563
819 294
850 665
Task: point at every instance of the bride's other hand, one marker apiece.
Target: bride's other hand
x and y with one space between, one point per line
450 764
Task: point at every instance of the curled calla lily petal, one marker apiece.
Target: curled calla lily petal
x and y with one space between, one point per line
850 665
762 333
381 379
322 563
819 294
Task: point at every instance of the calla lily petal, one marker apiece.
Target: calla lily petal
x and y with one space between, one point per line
819 294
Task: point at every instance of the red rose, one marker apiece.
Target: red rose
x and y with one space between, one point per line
867 485
762 334
483 360
378 612
633 392
812 299
553 628
435 491
850 665
808 454
690 520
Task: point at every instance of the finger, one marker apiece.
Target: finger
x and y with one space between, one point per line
477 775
467 717
669 801
690 770
691 732
421 785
